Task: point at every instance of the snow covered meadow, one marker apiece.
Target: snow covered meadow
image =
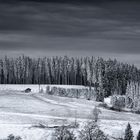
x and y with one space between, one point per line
35 87
20 112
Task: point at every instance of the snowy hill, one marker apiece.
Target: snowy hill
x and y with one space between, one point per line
19 112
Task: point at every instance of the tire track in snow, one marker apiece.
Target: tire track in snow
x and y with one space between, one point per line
45 100
38 116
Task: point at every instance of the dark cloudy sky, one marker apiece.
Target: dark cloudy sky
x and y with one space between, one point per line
107 29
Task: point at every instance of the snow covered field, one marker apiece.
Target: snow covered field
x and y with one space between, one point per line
19 112
35 88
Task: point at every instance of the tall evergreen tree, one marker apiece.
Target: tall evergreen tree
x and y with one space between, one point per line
138 136
107 76
128 133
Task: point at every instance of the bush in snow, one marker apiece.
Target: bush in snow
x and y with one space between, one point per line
12 137
118 102
74 124
63 133
128 133
91 131
85 93
103 105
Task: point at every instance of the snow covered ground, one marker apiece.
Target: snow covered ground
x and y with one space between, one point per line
19 112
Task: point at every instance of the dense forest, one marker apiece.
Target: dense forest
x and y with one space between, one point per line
107 76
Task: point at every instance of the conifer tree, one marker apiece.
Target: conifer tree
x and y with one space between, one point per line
138 136
128 133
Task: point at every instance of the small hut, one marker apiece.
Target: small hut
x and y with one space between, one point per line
28 90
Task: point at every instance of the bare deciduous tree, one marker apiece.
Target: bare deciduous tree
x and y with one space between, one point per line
92 132
95 114
63 133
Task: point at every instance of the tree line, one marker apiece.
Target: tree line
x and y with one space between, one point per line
107 76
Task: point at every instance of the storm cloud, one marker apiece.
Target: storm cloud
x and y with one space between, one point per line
110 29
